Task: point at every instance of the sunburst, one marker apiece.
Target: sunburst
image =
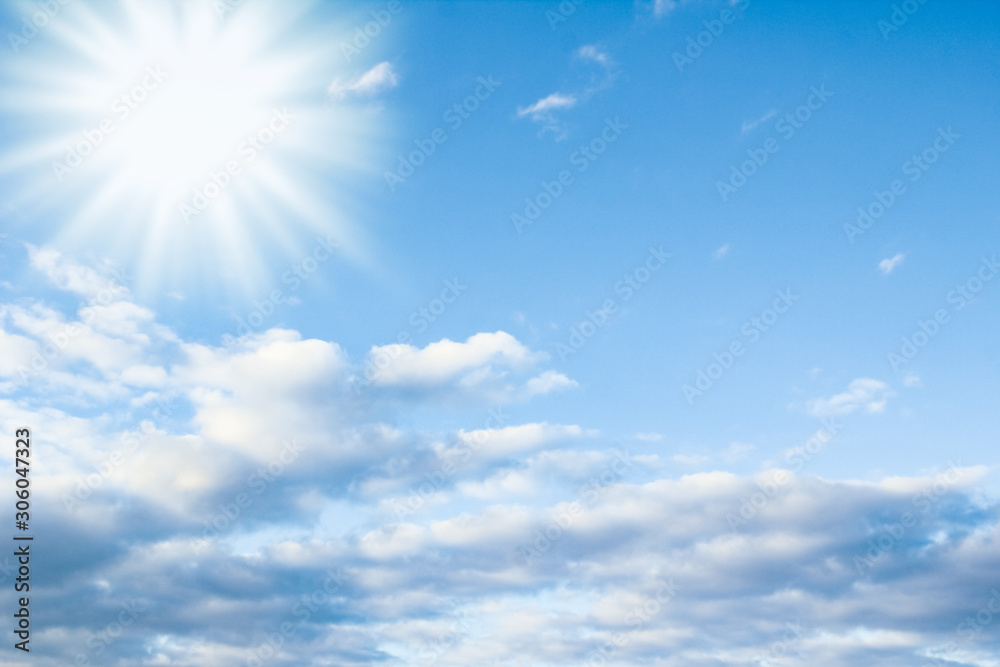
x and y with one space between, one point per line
182 137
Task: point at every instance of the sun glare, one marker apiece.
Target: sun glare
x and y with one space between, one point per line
186 134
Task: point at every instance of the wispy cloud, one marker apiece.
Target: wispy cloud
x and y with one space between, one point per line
663 7
541 110
864 394
548 109
721 252
380 78
593 53
889 264
751 125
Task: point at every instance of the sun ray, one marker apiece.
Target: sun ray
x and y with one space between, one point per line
167 136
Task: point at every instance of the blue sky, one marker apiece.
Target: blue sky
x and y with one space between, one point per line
702 289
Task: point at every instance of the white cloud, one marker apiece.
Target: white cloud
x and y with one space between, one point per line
721 252
887 265
471 362
380 78
864 394
593 53
522 438
76 278
548 382
663 7
542 109
803 556
548 109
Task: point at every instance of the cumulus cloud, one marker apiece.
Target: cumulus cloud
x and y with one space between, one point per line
485 364
522 438
548 382
551 543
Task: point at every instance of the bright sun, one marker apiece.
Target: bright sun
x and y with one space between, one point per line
185 137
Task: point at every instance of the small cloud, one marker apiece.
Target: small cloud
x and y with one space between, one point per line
737 451
593 53
886 266
176 296
912 381
721 252
663 7
814 372
862 394
648 437
542 109
547 382
374 81
751 125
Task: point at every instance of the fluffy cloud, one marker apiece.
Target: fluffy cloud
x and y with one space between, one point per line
865 394
484 365
549 544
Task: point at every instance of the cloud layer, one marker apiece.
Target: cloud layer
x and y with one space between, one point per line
243 504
